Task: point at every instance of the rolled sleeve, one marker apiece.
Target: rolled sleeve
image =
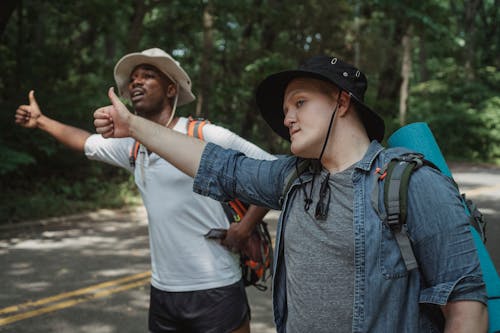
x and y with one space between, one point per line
224 174
206 181
468 288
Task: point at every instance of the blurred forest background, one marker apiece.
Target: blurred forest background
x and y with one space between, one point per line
434 60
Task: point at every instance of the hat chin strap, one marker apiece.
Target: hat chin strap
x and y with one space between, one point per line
172 114
330 126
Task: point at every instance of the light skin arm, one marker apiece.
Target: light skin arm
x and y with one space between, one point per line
180 150
116 121
30 116
465 316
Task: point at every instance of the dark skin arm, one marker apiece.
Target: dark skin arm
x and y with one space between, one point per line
30 116
239 233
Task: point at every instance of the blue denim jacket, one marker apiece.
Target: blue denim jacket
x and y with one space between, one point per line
387 298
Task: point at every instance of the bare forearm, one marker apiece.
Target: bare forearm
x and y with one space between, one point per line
254 215
465 316
70 136
182 151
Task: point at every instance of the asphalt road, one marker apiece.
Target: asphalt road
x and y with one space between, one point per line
89 273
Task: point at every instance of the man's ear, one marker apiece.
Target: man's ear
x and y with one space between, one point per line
171 90
344 103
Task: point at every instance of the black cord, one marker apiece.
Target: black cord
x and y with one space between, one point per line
330 125
307 200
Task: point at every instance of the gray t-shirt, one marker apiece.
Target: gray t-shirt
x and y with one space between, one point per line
319 258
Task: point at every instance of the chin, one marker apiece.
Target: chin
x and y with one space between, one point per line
303 151
297 150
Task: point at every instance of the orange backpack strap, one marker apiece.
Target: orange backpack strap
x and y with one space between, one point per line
195 127
238 208
133 153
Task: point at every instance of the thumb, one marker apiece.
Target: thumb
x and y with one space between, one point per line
32 97
114 99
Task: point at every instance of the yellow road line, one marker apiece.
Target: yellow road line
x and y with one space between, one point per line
24 306
115 284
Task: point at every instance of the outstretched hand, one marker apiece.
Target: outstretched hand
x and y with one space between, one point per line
27 115
113 121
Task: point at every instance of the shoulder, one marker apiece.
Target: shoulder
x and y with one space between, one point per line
229 140
216 129
96 141
388 154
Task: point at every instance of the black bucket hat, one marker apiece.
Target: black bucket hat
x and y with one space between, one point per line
270 92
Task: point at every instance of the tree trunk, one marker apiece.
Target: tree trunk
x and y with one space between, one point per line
389 79
470 12
405 76
135 30
357 44
20 47
422 59
6 10
206 61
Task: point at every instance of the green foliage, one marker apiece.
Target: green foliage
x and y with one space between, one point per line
13 159
57 196
66 52
463 113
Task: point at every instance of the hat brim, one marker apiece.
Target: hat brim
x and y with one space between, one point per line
126 65
271 92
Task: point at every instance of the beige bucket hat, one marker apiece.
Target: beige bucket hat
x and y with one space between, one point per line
161 60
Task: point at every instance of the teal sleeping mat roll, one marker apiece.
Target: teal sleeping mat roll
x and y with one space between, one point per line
418 137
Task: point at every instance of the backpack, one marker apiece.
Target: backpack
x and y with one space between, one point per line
255 269
418 137
395 177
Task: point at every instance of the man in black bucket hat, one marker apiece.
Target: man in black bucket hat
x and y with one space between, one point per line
270 92
337 266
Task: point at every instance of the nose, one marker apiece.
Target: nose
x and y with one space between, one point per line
135 81
290 118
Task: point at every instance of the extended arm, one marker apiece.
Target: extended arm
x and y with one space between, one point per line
180 150
30 116
465 316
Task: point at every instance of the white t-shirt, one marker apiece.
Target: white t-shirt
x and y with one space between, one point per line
181 258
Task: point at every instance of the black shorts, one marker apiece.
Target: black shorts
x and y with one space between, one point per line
217 310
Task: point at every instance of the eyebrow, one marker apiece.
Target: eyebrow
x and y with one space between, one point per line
290 95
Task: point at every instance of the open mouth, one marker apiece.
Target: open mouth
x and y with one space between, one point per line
136 95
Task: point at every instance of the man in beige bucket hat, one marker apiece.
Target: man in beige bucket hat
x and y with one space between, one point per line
196 283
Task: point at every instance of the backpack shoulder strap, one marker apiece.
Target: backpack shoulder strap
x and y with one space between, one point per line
134 150
195 127
396 178
396 189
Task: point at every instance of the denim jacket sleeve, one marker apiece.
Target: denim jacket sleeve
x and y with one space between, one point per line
443 244
224 174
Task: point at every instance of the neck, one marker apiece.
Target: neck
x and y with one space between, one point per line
161 118
345 150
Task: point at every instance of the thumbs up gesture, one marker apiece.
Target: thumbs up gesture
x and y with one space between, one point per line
27 115
113 121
